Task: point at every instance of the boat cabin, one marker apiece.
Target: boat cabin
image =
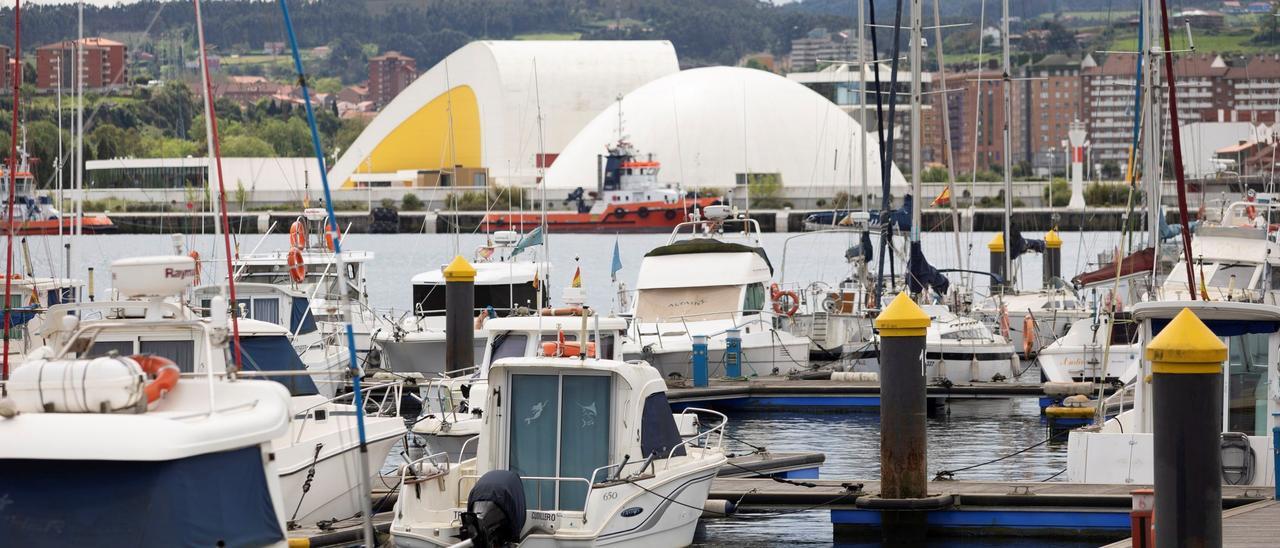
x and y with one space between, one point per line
505 281
702 278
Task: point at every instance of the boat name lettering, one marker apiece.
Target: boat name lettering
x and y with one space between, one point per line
687 303
543 516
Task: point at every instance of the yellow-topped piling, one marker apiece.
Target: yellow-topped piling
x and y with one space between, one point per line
996 245
902 318
1186 345
1052 240
459 270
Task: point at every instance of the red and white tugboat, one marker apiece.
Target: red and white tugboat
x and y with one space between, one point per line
629 198
36 215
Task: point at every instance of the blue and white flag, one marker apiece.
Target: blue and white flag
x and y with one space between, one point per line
617 261
529 240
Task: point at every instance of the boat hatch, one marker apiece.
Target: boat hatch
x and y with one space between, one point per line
559 435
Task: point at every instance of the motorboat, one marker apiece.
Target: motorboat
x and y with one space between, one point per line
1121 450
506 282
454 405
316 458
700 283
131 462
962 350
1094 350
310 266
1233 258
575 451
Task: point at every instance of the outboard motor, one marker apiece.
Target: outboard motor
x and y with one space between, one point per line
495 510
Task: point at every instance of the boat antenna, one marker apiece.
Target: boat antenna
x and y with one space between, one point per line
330 228
215 154
1171 80
13 180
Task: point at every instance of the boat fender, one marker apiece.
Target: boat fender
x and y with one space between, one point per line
643 212
718 508
935 502
855 376
670 214
297 267
619 212
1028 334
1067 388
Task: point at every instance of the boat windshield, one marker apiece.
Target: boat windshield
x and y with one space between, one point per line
428 299
1247 361
559 429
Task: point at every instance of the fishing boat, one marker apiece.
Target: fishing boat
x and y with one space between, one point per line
627 198
506 282
36 215
310 266
315 458
577 451
1121 450
454 405
701 283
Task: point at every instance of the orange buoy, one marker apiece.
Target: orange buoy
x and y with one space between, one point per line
790 298
165 374
329 232
297 268
298 234
1028 334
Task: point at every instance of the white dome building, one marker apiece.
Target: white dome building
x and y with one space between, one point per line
708 127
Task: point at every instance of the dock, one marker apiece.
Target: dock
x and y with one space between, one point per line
1255 524
780 393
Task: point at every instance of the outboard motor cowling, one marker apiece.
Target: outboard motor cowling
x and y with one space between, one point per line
495 510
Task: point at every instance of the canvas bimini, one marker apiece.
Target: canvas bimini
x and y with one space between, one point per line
574 451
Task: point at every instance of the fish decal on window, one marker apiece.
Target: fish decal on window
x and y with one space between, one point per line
588 414
537 412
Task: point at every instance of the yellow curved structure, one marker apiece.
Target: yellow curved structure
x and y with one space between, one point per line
444 133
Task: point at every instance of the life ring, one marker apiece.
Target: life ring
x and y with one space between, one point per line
329 232
195 256
642 212
619 212
670 214
163 371
298 234
297 267
789 309
1028 334
774 291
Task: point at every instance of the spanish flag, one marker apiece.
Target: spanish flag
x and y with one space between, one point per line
944 198
1204 287
577 278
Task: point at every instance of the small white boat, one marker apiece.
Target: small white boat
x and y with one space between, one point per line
1048 312
454 407
575 452
961 350
706 285
1083 354
504 284
1121 451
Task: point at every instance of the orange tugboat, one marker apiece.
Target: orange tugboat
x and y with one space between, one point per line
629 198
35 215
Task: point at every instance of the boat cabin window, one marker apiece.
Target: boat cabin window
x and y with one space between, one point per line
429 299
967 333
182 352
1275 277
508 345
1247 362
559 430
1242 272
674 304
753 299
1124 331
266 309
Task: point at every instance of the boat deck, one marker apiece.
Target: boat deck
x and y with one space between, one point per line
1256 524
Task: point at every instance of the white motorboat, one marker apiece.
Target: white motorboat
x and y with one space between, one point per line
1048 313
962 350
310 266
1233 258
117 467
505 283
1121 450
706 285
1093 351
316 458
453 407
575 452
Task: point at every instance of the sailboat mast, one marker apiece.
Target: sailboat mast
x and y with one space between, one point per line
945 116
1151 136
862 105
1007 91
917 34
1175 133
13 181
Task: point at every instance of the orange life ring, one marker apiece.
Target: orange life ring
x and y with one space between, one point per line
297 268
774 291
789 309
1028 334
195 256
298 234
329 232
165 374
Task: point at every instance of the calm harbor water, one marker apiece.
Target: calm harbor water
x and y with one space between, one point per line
970 432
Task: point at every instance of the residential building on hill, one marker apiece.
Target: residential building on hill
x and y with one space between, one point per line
104 64
389 74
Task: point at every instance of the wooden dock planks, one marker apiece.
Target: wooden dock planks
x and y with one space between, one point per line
1256 524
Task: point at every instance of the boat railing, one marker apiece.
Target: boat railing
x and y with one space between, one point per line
706 436
380 400
706 228
439 460
463 451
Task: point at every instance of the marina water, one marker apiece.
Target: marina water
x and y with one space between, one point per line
967 433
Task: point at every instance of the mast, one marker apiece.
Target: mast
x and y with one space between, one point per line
77 227
886 152
215 170
362 478
1007 91
916 161
13 181
862 105
946 133
1151 137
1175 131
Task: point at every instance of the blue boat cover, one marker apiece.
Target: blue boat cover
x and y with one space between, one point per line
658 430
274 353
1022 245
300 319
863 248
217 499
923 274
505 489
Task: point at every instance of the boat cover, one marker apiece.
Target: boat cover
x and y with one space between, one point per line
1137 262
505 489
216 499
301 321
707 245
274 353
658 430
923 274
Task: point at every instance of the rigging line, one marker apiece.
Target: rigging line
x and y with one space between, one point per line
1177 150
344 297
946 138
215 152
886 152
13 180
